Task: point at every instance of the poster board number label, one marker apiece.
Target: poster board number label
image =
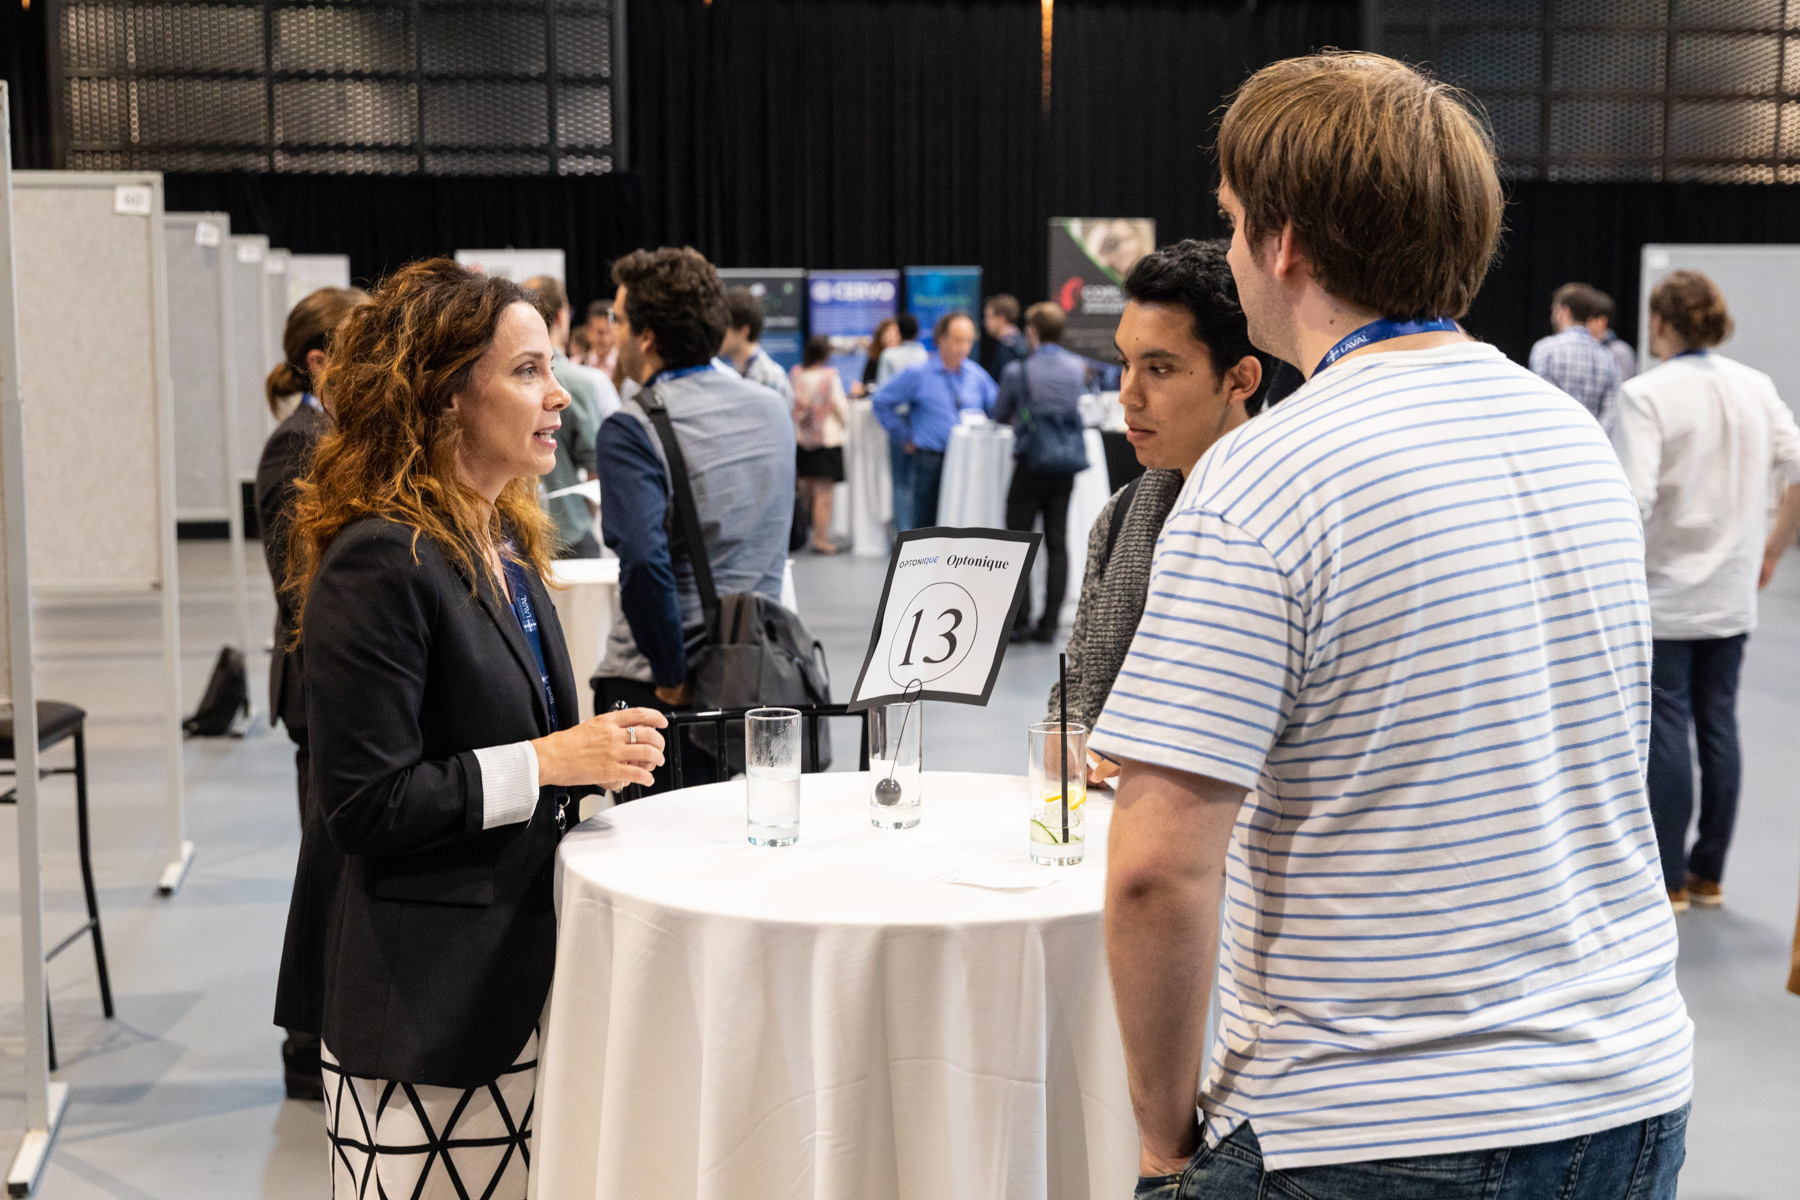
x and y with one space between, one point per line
934 633
207 233
132 200
249 252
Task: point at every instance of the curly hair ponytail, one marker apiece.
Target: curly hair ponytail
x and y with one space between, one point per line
309 328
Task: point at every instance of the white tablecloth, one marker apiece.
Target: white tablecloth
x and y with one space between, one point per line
732 1022
868 483
586 595
978 467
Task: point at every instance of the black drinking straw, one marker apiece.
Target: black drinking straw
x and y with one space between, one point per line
1062 696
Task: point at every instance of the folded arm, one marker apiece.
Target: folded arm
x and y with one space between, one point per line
902 389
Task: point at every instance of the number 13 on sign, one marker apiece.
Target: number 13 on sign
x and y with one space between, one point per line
933 635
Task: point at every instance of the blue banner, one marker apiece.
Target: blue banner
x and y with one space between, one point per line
931 292
846 306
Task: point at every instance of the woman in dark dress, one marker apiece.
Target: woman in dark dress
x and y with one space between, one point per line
446 757
294 400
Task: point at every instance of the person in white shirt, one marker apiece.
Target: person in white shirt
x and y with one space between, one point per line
1382 723
907 353
1700 437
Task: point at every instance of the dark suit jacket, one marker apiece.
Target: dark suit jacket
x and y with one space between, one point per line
434 954
285 458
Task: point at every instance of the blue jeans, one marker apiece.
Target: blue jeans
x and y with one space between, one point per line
927 473
900 464
1631 1162
1694 685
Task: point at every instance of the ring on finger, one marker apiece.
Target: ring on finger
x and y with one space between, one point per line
631 735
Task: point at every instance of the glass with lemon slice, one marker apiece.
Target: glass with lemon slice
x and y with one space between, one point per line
1056 757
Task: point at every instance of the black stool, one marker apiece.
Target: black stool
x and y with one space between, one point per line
57 721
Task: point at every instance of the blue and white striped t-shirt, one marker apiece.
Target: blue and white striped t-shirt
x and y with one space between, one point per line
1406 609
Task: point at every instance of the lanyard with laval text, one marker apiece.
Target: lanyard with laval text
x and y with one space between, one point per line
1381 331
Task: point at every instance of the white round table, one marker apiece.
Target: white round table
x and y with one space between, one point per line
733 1022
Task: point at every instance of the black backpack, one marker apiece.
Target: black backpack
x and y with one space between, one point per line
227 694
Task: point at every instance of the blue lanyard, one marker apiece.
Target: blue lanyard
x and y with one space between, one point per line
528 625
1688 353
1380 331
667 374
311 401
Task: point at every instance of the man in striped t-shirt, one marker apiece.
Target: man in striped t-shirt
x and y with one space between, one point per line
1384 721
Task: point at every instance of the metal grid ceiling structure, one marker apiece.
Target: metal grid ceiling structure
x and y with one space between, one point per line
388 87
1618 89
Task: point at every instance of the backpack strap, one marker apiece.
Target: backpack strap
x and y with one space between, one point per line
1121 507
685 509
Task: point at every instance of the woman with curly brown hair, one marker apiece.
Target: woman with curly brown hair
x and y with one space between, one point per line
446 757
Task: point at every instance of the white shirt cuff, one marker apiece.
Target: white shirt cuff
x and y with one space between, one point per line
509 784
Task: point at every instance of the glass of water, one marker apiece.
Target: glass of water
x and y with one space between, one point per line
772 760
895 765
1058 834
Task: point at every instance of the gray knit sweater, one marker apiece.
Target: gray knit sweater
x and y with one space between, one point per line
1112 595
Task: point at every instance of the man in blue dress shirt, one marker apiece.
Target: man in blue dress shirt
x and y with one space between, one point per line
921 405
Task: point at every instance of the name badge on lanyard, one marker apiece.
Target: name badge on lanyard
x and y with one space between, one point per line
1381 331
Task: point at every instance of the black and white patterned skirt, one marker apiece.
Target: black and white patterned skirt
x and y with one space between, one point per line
408 1141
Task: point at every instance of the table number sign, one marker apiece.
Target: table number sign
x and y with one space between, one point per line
948 603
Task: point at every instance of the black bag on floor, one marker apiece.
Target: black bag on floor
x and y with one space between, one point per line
227 694
756 652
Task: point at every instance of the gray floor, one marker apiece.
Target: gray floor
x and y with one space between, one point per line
180 1097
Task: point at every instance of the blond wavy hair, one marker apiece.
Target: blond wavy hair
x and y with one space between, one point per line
390 372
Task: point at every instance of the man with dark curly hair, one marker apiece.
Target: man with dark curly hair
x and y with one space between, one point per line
670 316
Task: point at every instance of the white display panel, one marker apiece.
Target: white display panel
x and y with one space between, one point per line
250 345
516 265
200 362
90 269
275 281
95 371
1762 290
205 376
307 273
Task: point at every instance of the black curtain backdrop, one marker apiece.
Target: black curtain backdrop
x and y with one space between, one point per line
1557 233
861 133
25 66
385 222
883 133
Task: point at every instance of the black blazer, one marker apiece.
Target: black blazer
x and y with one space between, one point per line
434 954
285 458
